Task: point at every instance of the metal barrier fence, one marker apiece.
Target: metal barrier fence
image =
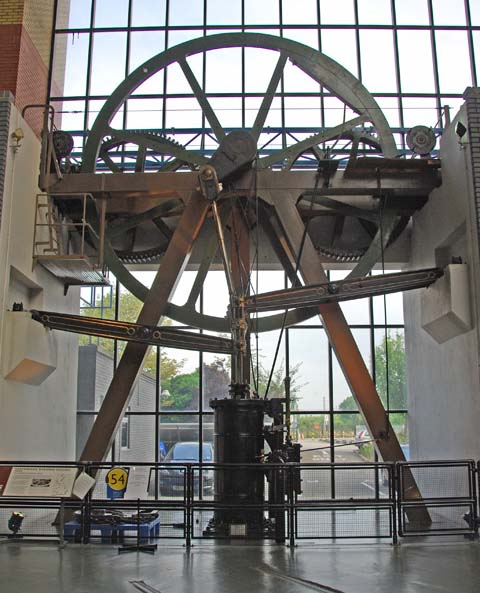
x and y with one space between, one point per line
449 494
278 502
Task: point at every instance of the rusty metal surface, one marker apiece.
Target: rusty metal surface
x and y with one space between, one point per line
133 332
343 290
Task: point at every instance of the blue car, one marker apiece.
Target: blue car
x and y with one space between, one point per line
172 481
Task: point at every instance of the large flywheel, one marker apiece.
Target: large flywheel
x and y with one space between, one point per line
339 230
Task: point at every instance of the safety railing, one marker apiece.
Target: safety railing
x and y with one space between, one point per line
146 502
448 495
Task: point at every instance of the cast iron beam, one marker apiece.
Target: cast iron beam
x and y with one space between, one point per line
133 332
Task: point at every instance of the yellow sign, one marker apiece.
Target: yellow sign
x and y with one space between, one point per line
117 478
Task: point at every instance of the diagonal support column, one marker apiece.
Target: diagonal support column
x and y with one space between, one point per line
346 349
118 395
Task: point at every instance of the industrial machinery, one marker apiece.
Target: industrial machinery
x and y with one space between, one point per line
340 194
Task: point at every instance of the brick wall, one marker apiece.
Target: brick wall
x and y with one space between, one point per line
472 99
5 109
11 11
25 38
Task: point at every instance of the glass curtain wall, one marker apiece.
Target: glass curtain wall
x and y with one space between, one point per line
170 402
414 56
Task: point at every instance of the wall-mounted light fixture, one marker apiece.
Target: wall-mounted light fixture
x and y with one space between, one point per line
17 137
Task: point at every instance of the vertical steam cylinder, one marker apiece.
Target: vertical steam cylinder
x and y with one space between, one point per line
239 439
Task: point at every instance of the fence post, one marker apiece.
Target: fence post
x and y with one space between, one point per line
62 523
393 496
188 490
475 490
291 503
87 509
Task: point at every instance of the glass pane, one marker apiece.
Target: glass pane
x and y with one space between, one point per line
267 344
69 114
144 46
374 12
215 294
475 12
183 113
350 429
302 112
145 114
215 378
390 351
453 61
220 12
309 369
264 12
419 111
342 396
135 440
77 18
378 61
476 46
185 12
148 14
341 390
295 80
179 36
306 36
223 68
416 67
108 62
70 64
448 12
336 112
259 66
303 12
337 13
393 303
391 110
228 111
412 12
340 44
312 431
178 429
111 13
179 379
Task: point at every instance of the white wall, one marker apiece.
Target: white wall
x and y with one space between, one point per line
36 422
443 379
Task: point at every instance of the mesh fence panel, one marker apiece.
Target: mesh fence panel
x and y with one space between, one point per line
445 519
439 481
343 523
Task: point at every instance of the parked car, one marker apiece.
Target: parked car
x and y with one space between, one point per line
172 481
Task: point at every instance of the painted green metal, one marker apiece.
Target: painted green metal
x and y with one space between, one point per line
317 66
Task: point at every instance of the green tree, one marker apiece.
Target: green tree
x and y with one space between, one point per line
277 384
129 309
392 345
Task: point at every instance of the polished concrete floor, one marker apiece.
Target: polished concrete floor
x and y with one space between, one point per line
413 567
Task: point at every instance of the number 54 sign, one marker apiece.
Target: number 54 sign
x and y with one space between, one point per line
116 479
